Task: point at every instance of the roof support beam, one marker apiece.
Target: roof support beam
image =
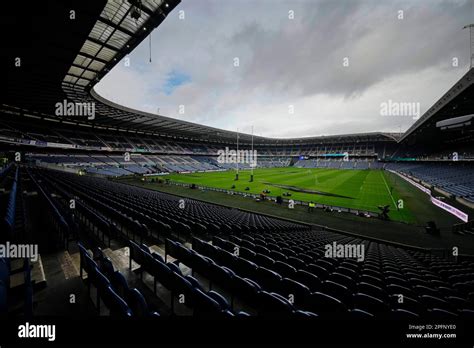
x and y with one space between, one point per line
78 76
117 27
104 44
82 67
92 57
142 7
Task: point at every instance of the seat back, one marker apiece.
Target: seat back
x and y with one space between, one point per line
137 303
116 305
119 284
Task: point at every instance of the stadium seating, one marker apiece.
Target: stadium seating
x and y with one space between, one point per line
453 178
366 290
271 267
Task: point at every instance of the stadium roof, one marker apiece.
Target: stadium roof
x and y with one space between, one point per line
38 55
119 28
69 45
83 49
457 101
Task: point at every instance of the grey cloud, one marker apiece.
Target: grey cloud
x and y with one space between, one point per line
297 62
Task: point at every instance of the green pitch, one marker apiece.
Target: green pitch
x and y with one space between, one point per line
357 189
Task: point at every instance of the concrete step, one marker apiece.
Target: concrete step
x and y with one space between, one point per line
68 265
120 259
37 273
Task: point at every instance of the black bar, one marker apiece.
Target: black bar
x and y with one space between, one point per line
184 330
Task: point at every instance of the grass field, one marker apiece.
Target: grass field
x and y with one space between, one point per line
357 189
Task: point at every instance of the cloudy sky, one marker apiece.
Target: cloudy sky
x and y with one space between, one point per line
305 67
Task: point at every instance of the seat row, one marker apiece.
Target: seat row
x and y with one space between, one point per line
303 287
9 219
185 288
111 287
4 284
266 303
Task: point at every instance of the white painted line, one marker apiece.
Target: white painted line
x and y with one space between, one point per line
383 177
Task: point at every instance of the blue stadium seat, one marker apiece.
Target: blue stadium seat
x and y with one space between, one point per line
120 284
268 279
369 303
205 305
245 289
336 290
101 282
299 293
324 304
138 305
116 305
403 314
273 305
284 269
308 279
